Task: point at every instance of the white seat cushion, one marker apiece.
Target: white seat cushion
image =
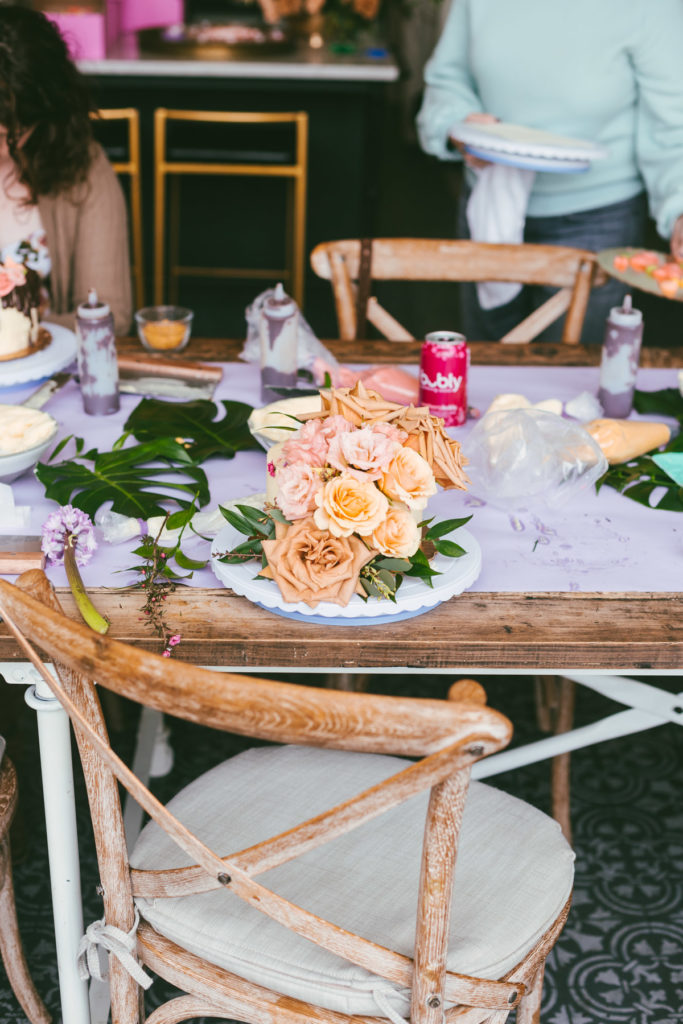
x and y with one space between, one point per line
514 874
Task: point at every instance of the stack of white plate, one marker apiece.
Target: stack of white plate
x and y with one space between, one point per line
527 148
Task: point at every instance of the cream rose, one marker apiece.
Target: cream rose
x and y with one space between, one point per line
398 536
409 479
347 505
311 565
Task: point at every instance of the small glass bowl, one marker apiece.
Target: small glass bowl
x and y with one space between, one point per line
164 328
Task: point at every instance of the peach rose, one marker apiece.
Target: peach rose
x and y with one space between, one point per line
311 565
366 450
398 536
297 488
409 479
347 505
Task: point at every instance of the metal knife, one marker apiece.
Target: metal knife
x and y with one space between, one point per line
46 390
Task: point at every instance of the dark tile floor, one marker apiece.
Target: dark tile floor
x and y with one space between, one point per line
620 958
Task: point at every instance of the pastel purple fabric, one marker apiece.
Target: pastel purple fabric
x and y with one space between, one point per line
597 543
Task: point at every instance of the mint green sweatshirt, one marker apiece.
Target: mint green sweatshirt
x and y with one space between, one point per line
610 71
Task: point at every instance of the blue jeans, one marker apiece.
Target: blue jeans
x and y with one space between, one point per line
605 227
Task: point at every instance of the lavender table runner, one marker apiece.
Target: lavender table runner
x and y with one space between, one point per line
600 542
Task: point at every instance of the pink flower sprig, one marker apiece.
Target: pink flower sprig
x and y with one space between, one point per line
69 538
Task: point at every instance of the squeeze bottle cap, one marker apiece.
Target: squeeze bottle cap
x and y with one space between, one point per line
626 315
279 304
93 308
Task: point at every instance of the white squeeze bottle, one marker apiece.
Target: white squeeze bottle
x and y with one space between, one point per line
278 332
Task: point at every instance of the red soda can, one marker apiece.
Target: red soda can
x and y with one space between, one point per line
444 363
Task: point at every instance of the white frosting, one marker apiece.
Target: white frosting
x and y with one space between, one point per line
16 331
22 428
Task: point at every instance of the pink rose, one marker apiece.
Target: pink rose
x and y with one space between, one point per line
394 433
15 271
367 450
309 445
331 426
298 486
6 284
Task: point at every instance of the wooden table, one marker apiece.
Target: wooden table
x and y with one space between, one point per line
496 631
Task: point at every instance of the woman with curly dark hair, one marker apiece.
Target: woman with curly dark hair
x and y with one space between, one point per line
62 211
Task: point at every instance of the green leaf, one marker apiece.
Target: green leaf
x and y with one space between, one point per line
639 478
667 402
392 564
195 422
241 524
180 518
447 526
136 479
62 444
188 563
449 548
276 515
255 516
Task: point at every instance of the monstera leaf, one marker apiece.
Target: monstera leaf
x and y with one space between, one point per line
137 479
667 402
195 422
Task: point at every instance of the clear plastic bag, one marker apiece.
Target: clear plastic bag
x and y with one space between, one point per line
309 348
523 457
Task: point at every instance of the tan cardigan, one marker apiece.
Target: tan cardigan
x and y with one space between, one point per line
87 238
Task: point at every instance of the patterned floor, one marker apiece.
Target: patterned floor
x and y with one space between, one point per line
620 958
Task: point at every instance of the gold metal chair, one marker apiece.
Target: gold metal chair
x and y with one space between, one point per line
244 165
351 267
132 169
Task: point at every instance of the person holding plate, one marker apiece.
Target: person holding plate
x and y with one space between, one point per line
609 73
62 210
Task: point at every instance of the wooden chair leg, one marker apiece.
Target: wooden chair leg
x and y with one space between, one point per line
560 772
350 681
529 1009
546 695
11 949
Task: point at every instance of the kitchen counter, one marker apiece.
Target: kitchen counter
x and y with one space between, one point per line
300 64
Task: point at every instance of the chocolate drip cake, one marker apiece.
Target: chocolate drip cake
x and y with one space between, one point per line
20 331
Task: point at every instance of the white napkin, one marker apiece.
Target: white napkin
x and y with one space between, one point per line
12 517
496 212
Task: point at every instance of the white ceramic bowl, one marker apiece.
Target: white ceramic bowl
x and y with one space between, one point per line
18 463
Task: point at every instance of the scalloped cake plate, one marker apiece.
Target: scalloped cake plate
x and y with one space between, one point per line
517 140
59 353
413 598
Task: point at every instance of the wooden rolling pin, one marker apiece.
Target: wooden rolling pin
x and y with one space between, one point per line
153 366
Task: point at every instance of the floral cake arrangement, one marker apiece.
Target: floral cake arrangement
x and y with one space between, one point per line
345 500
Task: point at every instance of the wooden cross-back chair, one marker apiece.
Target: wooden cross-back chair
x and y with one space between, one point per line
239 949
352 265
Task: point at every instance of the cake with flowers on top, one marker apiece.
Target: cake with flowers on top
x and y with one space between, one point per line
20 331
351 486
